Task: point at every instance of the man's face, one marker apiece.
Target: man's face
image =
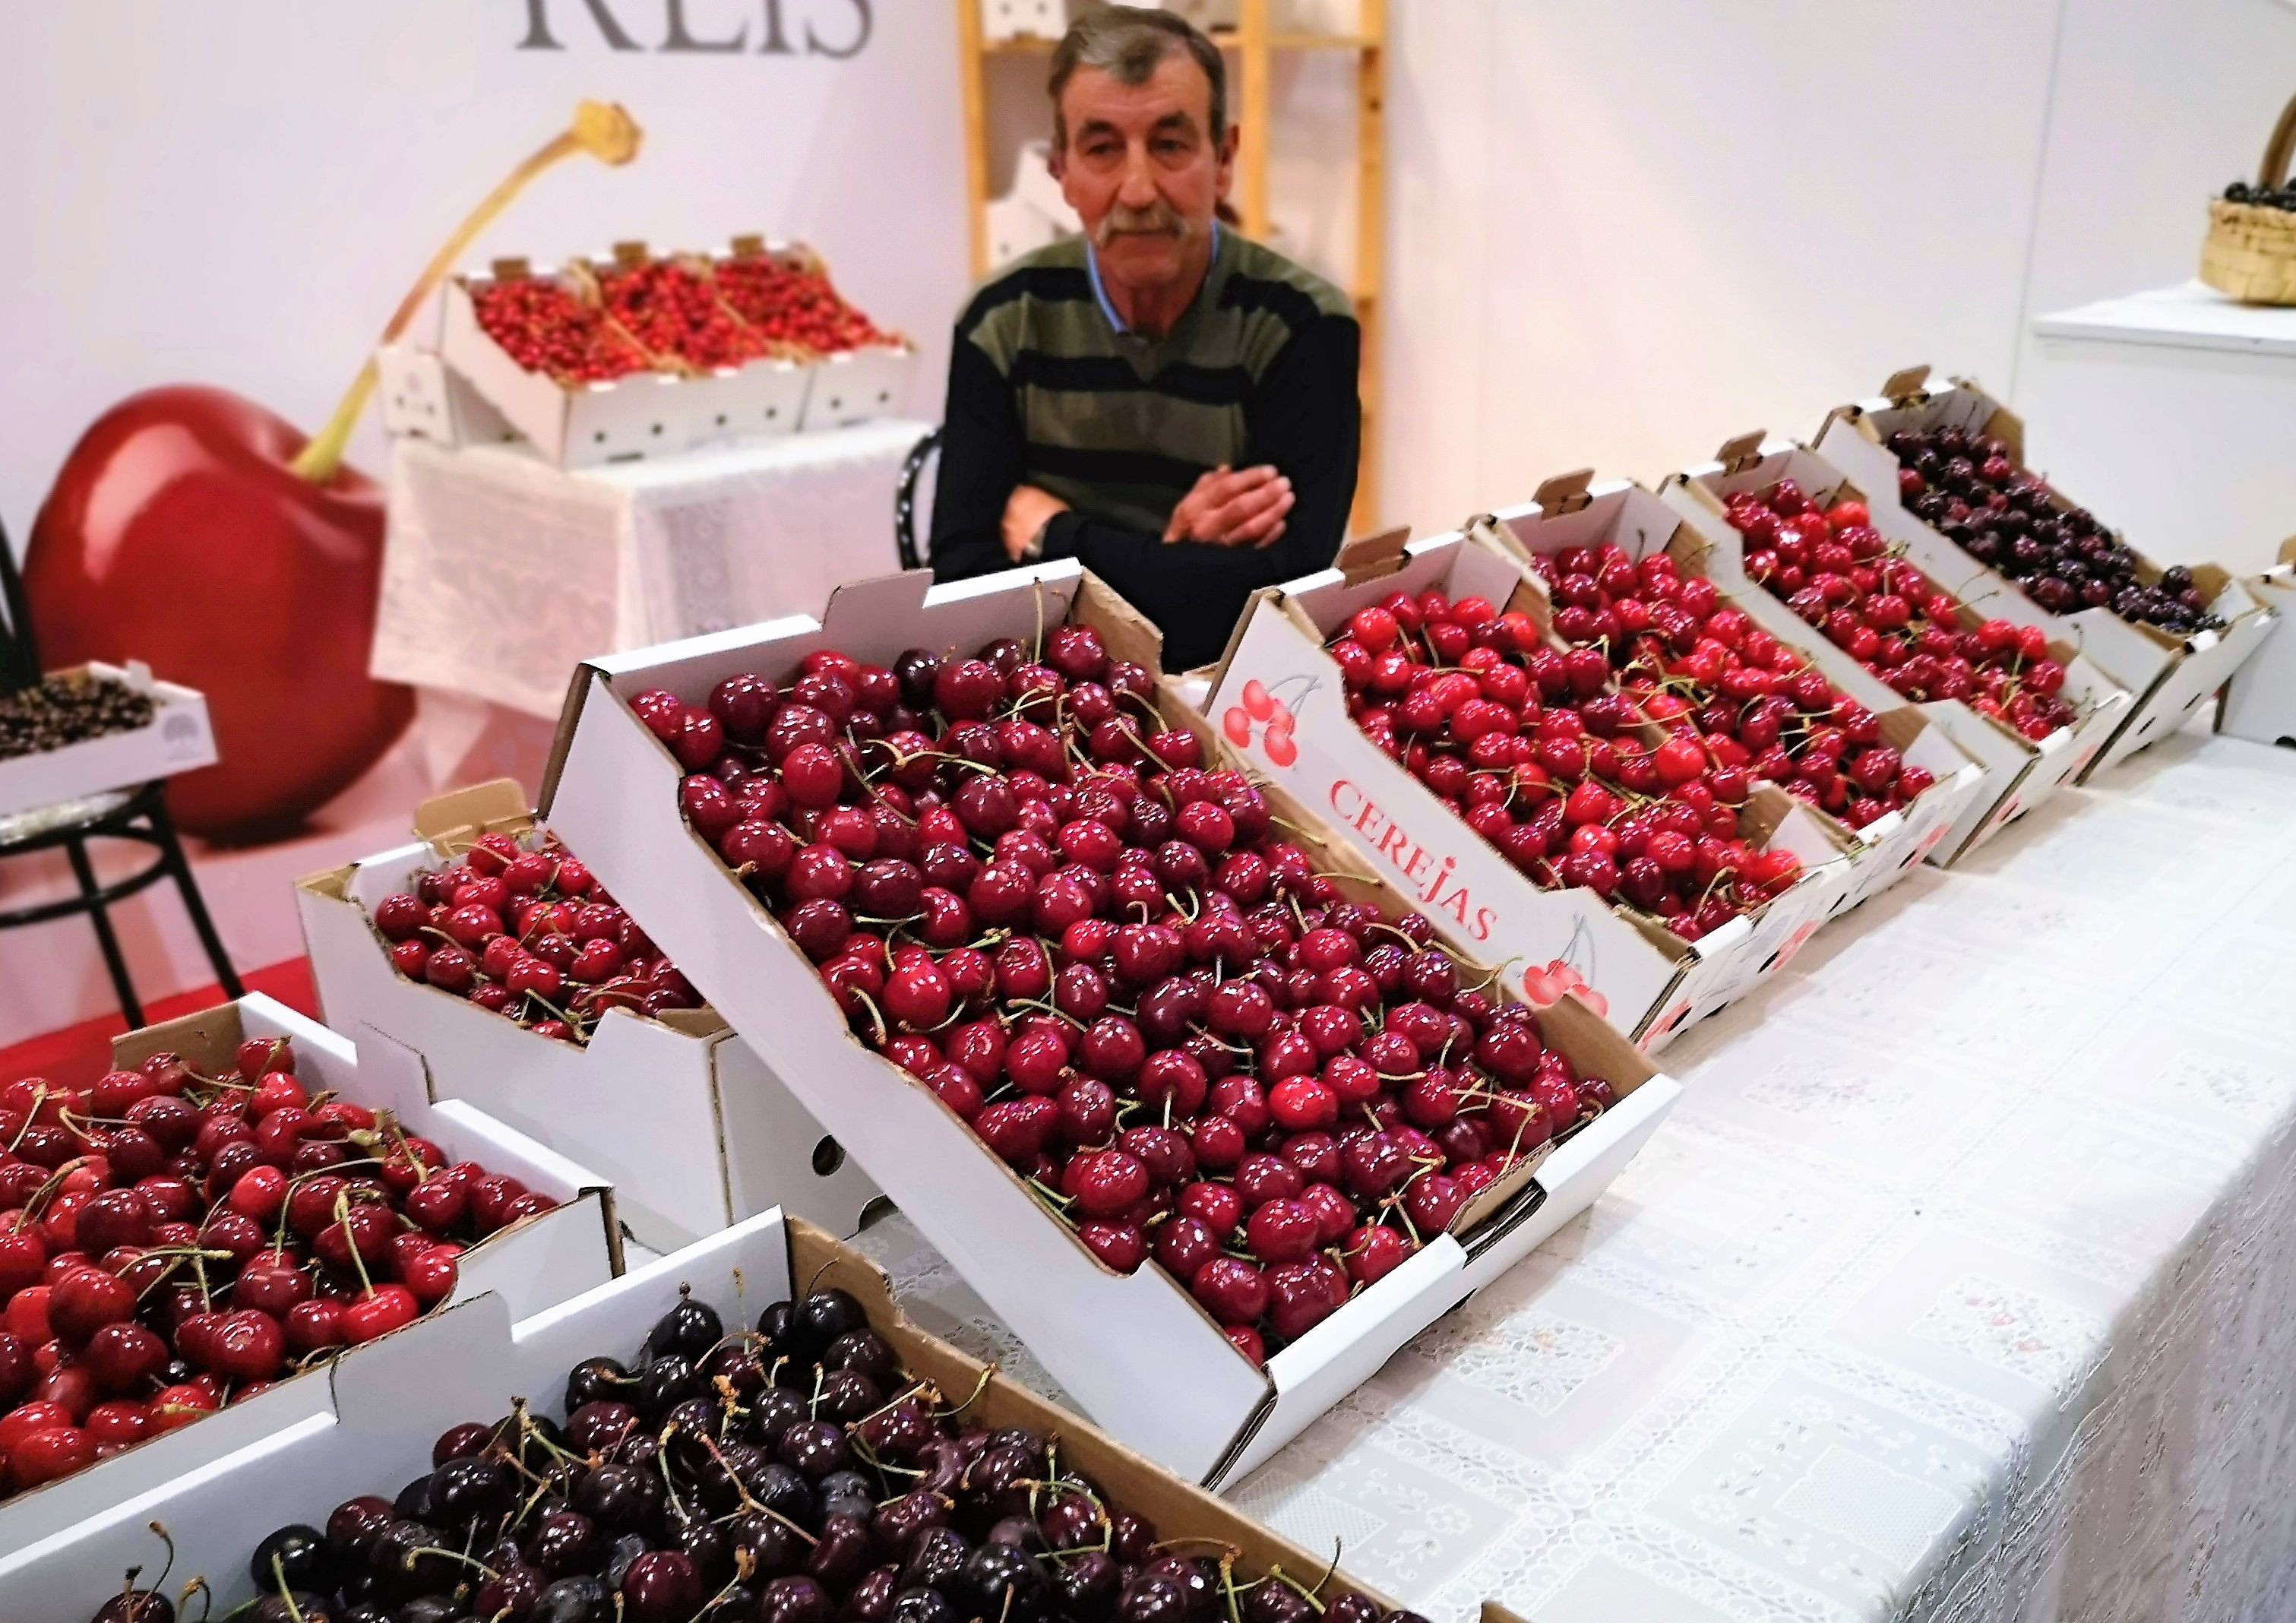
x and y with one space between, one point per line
1141 169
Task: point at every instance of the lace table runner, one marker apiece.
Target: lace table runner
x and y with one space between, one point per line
501 572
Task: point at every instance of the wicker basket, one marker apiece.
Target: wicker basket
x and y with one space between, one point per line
2250 251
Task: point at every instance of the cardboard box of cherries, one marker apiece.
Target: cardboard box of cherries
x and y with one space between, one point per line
2259 702
96 727
1818 566
635 354
487 953
748 1429
1629 580
1414 696
1212 1125
1951 463
189 1239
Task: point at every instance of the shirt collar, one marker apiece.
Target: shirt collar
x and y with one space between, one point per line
1100 292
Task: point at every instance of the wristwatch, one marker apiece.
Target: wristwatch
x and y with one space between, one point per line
1032 551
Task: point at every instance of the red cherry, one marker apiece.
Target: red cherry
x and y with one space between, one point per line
118 1422
155 486
1232 1290
43 1456
1119 1245
313 1325
122 1356
179 1405
377 1312
431 1276
1282 1231
85 1300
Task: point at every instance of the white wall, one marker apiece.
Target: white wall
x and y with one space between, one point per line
238 192
1621 233
2157 107
1650 227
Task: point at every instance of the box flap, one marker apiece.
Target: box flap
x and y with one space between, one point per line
209 1038
1368 557
1564 492
1741 451
1124 631
479 807
1905 387
886 597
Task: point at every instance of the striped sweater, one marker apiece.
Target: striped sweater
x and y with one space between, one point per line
1047 389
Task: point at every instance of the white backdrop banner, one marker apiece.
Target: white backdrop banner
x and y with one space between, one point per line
238 192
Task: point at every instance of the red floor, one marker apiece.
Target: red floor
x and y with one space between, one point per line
78 1054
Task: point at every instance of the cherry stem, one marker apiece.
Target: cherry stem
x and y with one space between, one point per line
987 1372
601 129
350 1240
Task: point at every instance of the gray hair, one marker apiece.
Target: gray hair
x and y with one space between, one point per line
1128 43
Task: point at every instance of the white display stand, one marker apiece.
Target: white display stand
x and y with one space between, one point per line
501 572
2170 412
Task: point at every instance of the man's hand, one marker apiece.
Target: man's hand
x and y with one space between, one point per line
1242 508
1026 510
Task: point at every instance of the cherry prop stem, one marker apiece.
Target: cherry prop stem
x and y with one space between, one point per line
601 129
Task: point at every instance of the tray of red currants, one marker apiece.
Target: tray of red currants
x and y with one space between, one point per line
491 952
1210 1124
1824 571
1992 530
242 1199
749 1430
1531 811
1628 578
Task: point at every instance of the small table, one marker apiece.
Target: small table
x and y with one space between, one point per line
2171 413
501 572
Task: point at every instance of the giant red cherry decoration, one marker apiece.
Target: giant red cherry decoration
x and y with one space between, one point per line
195 531
179 533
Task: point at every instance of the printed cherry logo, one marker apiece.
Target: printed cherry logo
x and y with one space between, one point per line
1270 715
1544 989
1794 944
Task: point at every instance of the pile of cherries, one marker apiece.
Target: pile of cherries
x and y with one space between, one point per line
170 1242
525 931
546 327
2011 520
1027 889
1706 673
1834 569
59 711
793 304
2283 198
791 1473
1546 760
673 310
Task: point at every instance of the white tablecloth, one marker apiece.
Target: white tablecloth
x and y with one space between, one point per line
501 572
1961 1285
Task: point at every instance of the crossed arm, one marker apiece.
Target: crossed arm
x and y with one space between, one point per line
1280 515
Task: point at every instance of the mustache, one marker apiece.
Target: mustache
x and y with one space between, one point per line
1159 219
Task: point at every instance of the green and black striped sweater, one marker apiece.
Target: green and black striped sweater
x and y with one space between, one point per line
1046 389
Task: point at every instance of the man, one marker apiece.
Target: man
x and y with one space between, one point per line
1167 403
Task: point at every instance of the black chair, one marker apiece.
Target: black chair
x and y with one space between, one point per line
20 656
138 814
904 500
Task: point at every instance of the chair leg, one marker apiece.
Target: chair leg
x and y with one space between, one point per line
101 916
194 903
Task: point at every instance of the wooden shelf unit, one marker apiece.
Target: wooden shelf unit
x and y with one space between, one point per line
1253 46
